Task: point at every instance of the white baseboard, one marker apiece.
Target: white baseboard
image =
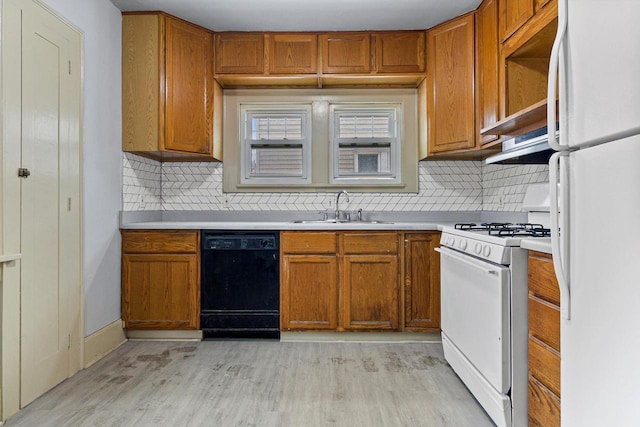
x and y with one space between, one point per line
102 342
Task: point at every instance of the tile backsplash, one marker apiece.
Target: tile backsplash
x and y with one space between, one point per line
444 186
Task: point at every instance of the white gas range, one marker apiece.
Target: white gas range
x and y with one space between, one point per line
484 314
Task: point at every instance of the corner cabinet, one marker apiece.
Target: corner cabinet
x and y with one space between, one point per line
487 66
544 342
171 105
450 86
160 280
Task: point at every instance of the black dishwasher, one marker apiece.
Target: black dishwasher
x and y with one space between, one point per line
240 284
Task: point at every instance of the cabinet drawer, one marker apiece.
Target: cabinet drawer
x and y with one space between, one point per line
544 365
544 406
544 322
542 278
370 243
308 242
142 242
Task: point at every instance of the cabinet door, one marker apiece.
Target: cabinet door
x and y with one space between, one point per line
488 99
346 53
309 292
160 291
513 14
292 53
450 79
240 53
402 52
189 88
370 292
422 281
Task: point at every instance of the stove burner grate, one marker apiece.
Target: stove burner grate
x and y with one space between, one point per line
506 229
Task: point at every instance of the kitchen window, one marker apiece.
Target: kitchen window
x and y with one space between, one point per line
320 140
276 144
365 145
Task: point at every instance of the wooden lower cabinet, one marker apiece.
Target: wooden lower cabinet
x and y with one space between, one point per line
370 292
309 292
352 281
544 342
421 282
160 280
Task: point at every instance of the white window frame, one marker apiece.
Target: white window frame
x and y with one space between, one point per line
394 112
248 111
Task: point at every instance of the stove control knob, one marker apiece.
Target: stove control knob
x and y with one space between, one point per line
452 241
487 250
478 248
463 244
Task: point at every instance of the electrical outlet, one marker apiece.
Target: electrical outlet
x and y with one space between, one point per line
227 202
501 200
141 201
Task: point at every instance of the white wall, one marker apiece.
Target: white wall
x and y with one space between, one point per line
102 25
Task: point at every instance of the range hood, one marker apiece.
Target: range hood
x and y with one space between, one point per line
529 148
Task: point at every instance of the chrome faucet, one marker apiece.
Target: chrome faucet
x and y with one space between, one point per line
346 195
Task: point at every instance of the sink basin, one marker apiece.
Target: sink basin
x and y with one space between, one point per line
333 221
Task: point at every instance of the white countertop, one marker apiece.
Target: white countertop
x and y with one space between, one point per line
277 225
541 244
268 220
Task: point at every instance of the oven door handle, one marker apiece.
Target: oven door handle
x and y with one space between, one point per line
464 260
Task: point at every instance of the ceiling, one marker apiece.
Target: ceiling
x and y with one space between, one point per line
307 15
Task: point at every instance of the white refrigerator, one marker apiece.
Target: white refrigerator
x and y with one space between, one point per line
596 236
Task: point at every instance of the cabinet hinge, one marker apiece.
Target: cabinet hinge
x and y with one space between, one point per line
68 341
69 203
69 67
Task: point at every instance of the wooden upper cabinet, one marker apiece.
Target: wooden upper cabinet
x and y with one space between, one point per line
450 86
400 52
487 73
189 79
168 91
346 53
292 53
239 53
513 14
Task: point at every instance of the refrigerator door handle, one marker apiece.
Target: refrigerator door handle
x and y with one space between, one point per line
559 244
553 77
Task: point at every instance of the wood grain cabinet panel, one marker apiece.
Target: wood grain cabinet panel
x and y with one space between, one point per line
168 90
513 15
339 281
370 243
450 85
346 53
239 53
544 342
292 53
309 292
370 292
160 280
544 406
400 52
487 73
421 282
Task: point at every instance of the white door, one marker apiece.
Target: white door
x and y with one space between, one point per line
50 225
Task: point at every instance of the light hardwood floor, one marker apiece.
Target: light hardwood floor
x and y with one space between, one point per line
261 383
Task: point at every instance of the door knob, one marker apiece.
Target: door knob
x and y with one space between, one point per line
24 173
